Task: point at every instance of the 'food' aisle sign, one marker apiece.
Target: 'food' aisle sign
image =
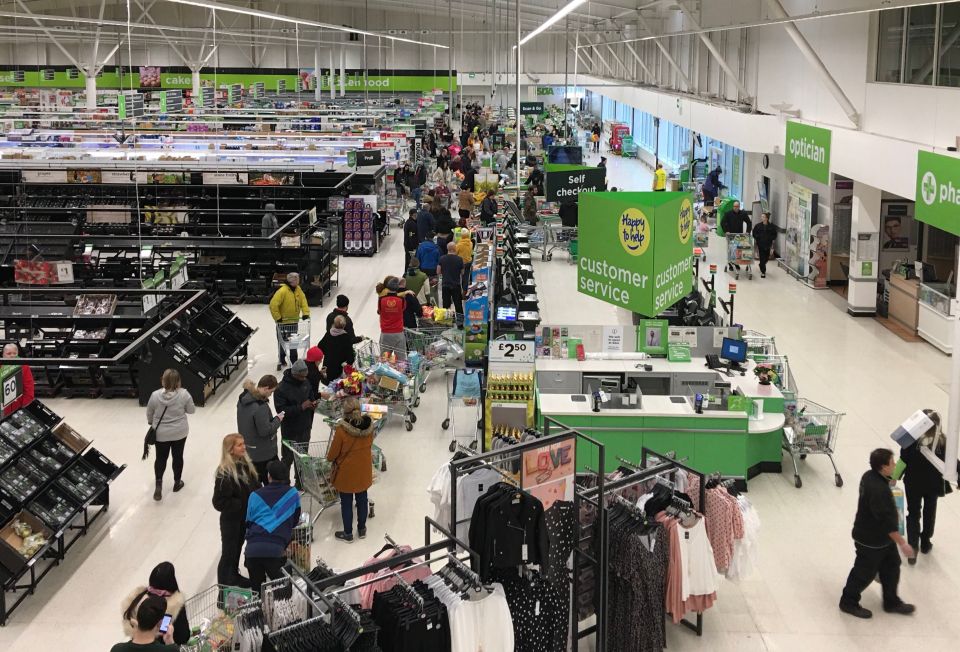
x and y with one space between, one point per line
636 249
807 151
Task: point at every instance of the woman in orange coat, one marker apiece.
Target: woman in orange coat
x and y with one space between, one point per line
352 455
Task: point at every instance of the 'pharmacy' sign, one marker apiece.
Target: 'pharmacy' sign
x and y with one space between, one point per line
807 151
938 191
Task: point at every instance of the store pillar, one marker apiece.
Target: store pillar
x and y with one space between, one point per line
864 251
195 83
91 92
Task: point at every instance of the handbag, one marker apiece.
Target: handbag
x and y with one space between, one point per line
151 437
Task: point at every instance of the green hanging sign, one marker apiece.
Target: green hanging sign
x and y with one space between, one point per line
807 151
938 191
636 249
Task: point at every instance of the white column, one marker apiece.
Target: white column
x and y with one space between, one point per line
343 72
91 92
952 431
195 82
317 93
333 77
864 270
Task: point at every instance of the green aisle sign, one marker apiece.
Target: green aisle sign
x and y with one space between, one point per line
938 191
636 249
808 151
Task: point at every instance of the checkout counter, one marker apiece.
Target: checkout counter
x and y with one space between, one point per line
655 409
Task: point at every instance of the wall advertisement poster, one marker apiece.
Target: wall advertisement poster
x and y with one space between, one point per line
801 209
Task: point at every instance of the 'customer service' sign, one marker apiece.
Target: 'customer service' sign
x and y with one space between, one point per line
807 151
938 191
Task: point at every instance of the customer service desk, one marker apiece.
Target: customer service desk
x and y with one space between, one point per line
722 441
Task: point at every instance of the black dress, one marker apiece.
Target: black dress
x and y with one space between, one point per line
638 577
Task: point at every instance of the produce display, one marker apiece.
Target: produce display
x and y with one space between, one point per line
21 428
82 482
53 507
32 543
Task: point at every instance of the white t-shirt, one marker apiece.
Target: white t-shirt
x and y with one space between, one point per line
482 625
696 558
469 489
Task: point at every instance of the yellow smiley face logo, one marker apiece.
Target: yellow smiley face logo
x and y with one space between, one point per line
634 231
685 221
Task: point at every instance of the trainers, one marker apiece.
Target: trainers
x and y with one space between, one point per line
177 486
344 536
856 610
912 560
926 545
903 609
763 275
362 532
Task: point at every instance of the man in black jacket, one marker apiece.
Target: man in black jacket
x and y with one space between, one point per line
764 235
343 305
293 399
411 240
876 537
488 208
735 221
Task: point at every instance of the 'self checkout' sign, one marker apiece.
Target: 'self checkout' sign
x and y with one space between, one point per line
565 182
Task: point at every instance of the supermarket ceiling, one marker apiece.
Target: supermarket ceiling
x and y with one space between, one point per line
426 21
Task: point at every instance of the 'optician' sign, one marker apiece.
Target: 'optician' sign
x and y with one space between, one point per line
636 249
938 191
565 182
807 151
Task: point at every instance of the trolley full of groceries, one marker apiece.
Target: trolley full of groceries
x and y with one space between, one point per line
385 377
432 345
740 253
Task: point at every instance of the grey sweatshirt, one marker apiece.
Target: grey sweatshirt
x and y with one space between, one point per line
257 424
171 425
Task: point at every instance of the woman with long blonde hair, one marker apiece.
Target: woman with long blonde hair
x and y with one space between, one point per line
235 480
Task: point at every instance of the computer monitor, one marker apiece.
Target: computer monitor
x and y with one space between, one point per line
733 350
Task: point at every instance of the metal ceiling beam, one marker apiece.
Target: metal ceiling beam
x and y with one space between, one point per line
666 53
816 63
602 60
717 55
619 60
50 35
640 61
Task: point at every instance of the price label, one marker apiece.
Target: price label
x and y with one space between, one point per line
11 384
511 351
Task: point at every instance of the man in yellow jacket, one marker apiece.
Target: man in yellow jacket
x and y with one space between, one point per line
287 307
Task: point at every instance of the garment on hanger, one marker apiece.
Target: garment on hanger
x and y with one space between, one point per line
480 623
539 610
388 576
724 523
410 626
507 529
638 558
745 550
562 528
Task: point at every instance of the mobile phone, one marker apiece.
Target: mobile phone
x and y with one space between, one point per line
165 623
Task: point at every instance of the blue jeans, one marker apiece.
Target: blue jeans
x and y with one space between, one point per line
417 193
346 511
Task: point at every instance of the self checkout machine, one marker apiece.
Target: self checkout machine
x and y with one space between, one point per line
732 354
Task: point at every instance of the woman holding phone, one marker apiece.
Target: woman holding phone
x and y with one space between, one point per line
163 583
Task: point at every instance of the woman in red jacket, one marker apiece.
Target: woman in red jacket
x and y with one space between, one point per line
26 398
390 307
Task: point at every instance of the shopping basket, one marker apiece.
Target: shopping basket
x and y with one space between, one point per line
811 429
212 614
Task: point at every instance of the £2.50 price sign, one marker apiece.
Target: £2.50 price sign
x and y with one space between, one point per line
511 351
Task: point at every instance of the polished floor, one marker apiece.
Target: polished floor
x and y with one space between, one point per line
852 365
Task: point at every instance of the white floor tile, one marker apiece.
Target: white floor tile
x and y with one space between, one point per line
852 365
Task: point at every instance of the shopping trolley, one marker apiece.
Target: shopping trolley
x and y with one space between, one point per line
436 346
389 380
212 616
310 461
463 393
759 344
811 429
740 253
292 338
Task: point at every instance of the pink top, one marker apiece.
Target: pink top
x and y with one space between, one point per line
724 525
389 579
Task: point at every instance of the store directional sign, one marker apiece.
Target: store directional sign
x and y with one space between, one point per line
171 101
281 86
807 151
257 90
368 157
938 191
531 108
208 97
565 182
129 105
235 93
636 249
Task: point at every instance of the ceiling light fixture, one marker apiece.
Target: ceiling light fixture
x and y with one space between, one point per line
217 6
552 20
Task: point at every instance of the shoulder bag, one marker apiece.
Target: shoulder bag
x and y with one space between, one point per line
151 438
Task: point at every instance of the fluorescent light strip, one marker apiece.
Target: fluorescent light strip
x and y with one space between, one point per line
552 20
216 6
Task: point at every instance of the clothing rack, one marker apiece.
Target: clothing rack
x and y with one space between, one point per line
492 459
